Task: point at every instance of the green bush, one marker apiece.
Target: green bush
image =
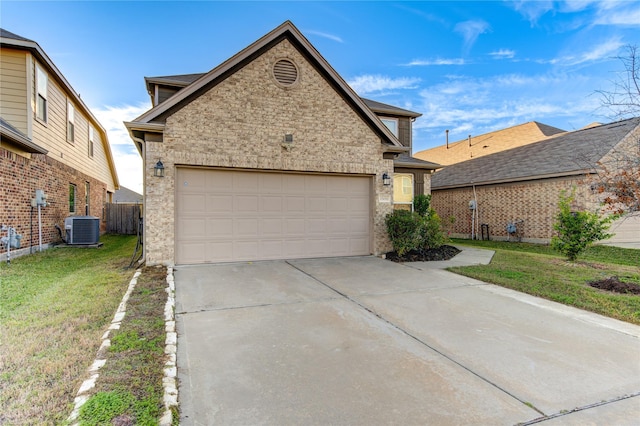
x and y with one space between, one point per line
404 229
432 233
421 204
577 230
413 231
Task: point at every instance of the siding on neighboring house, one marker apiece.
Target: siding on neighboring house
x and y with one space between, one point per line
13 90
52 136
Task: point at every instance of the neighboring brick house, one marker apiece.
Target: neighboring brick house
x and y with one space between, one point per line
270 155
49 141
488 143
523 184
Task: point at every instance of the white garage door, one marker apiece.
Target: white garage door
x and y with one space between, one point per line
225 216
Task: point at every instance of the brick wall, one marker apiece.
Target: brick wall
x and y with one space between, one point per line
534 202
240 123
19 179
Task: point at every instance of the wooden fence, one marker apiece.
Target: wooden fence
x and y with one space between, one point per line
123 218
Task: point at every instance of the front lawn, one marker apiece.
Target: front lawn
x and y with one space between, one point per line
538 270
54 308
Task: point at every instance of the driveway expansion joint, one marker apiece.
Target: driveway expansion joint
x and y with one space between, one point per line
578 409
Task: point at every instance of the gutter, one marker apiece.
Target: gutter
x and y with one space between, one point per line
513 180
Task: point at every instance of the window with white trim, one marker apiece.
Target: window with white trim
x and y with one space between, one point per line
403 188
391 123
90 144
71 134
41 94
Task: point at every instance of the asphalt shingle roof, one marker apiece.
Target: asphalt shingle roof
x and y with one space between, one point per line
566 153
8 34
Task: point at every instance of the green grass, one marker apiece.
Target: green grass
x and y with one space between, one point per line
539 271
129 389
54 307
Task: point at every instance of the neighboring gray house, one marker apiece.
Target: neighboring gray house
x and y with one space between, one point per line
126 196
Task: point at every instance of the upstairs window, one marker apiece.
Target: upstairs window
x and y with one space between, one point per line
90 145
41 94
392 124
71 134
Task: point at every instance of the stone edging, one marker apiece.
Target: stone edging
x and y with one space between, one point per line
84 393
169 381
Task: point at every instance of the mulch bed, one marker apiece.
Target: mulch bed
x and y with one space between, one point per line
615 285
441 253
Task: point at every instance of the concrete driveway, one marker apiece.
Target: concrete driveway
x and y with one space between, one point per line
366 341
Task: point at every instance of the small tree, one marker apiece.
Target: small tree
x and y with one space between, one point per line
577 230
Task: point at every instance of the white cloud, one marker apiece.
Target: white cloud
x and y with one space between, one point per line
437 61
470 31
503 54
532 10
125 155
325 35
365 84
627 15
604 50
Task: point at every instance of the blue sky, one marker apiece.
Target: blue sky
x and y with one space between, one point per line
471 67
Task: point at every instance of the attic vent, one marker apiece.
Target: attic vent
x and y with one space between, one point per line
285 72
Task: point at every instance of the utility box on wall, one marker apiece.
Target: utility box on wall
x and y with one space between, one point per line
82 229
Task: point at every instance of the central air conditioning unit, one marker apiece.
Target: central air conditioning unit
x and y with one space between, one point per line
82 229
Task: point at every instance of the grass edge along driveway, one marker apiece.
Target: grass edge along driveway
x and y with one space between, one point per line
539 271
54 307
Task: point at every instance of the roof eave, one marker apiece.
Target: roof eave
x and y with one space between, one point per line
24 143
410 165
137 130
517 179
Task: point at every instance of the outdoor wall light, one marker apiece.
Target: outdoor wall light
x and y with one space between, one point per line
386 180
158 170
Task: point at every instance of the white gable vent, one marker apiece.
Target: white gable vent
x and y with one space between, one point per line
285 72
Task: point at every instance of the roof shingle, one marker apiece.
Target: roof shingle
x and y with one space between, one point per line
565 154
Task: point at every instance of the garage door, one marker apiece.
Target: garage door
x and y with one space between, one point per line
225 216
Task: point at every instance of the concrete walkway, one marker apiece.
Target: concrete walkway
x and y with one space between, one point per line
366 341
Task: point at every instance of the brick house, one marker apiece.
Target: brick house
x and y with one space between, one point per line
522 185
270 155
49 141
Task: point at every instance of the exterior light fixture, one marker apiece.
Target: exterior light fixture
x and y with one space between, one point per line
386 180
158 170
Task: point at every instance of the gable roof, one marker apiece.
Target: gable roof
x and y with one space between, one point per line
126 195
15 136
14 41
489 143
157 115
567 154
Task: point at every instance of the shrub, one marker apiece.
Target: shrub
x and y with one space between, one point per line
413 231
404 229
432 233
421 204
577 230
